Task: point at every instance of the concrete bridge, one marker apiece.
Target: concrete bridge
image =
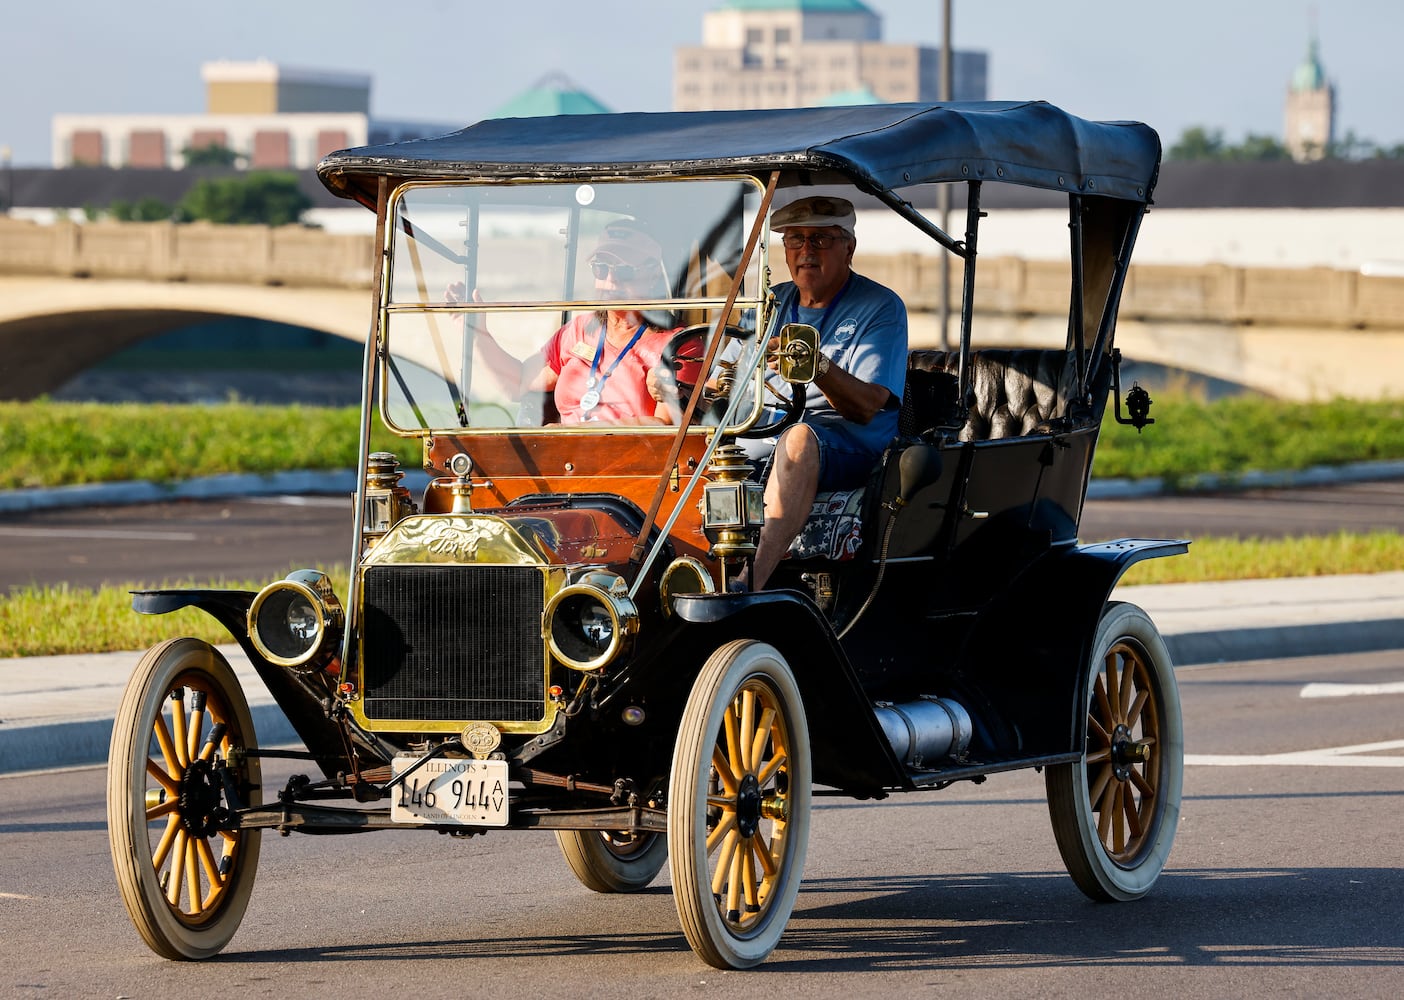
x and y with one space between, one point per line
71 295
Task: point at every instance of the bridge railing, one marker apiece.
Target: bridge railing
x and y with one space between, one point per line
294 255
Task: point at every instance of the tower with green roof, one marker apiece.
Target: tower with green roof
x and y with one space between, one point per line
1310 108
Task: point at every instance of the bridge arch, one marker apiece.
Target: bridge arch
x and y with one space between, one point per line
53 328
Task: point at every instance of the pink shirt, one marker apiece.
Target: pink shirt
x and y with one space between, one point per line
624 395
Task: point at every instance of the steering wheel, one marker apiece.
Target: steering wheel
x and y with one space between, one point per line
680 371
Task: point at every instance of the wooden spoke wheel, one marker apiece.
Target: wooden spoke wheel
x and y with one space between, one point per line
176 771
1115 812
738 807
613 861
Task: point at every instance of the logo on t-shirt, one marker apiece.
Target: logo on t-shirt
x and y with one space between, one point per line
845 331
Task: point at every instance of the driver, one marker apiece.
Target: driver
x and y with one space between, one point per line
851 411
596 366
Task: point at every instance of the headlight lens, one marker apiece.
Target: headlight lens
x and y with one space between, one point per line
590 622
297 621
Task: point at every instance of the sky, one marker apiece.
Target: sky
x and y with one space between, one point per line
1220 64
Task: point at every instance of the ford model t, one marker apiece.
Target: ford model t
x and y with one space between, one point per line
554 634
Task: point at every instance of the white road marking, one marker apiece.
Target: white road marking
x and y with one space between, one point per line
118 533
1326 690
1350 756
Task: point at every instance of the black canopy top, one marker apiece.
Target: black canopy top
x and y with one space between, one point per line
878 147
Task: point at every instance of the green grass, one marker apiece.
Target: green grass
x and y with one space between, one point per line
44 443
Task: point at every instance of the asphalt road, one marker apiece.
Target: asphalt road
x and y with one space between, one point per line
260 539
1287 878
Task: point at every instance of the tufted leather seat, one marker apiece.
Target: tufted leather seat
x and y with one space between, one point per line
1012 392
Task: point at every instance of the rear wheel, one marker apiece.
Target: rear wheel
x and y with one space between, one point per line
612 861
738 805
1115 812
184 869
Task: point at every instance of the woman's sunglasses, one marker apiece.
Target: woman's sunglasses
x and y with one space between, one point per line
621 272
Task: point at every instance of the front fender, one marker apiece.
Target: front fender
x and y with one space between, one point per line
848 747
296 694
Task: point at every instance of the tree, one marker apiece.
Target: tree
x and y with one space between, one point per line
214 154
260 197
1198 143
1258 147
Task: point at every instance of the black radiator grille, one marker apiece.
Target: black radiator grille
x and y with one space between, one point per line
445 643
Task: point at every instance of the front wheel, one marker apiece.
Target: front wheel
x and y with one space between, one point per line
1115 811
738 805
611 861
175 772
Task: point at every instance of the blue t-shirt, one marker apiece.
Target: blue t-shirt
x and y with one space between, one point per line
864 332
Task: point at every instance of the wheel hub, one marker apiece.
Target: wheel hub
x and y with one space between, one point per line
200 798
1126 753
748 806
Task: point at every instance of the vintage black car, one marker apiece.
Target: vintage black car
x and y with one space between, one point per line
545 637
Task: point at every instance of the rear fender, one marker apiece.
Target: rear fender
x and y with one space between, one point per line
1032 642
849 749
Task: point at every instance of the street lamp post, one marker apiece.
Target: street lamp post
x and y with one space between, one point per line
9 201
944 192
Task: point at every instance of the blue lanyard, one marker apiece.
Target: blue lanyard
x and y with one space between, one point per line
599 353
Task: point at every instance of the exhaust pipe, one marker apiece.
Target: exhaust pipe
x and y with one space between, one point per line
925 730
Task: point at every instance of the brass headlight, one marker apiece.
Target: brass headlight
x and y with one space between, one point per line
297 621
591 621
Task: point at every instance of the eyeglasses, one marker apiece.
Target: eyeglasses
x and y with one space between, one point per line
621 272
819 241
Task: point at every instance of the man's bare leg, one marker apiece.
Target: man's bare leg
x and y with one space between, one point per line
789 496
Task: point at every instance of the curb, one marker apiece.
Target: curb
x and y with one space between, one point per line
84 742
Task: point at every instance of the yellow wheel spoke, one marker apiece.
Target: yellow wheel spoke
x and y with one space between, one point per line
178 733
1113 687
721 831
1105 809
730 779
736 764
768 771
748 728
1097 756
1100 784
165 808
748 873
1133 714
767 719
1128 687
1133 815
177 868
765 854
192 876
1119 818
207 861
737 876
158 857
170 784
1095 728
197 723
163 737
728 851
1104 718
1146 789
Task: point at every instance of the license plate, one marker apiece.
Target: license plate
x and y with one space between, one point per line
450 790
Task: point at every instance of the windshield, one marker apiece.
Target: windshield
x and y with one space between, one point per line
565 305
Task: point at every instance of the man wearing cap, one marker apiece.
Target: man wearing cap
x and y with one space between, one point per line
851 411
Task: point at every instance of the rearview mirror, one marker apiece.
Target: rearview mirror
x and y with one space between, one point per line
798 353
